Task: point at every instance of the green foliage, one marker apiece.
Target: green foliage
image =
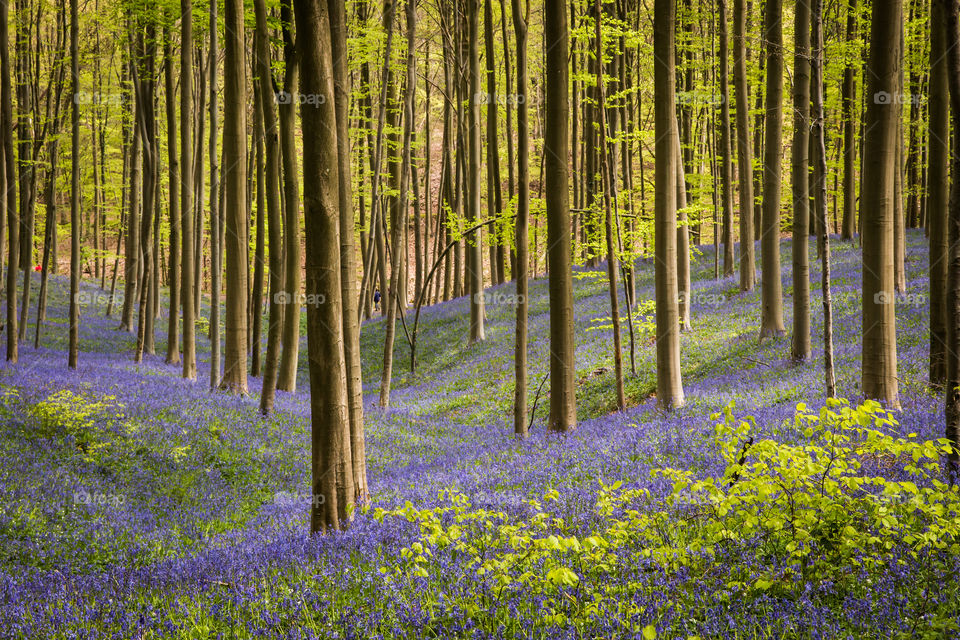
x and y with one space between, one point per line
815 508
67 413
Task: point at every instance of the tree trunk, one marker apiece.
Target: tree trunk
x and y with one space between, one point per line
235 192
878 207
563 401
10 178
400 177
173 326
523 213
748 269
771 290
331 462
726 152
348 264
848 100
271 176
215 247
800 346
817 133
289 356
187 272
950 9
74 346
669 384
937 196
474 242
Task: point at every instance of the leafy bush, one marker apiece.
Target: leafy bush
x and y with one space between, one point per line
65 413
850 496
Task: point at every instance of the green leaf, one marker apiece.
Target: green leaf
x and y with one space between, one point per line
649 632
561 576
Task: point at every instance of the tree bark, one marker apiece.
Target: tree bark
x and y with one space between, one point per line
748 268
289 356
726 152
800 345
173 161
938 193
235 193
474 243
332 483
877 202
563 401
348 264
669 384
520 18
187 272
771 298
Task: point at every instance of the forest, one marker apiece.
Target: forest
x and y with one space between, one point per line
513 319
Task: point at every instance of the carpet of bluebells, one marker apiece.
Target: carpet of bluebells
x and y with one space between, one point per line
134 504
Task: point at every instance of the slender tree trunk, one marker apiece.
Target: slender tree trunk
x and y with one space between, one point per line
331 455
142 73
563 401
821 187
173 326
214 205
520 18
607 178
669 384
235 192
848 100
726 151
271 177
800 346
348 263
289 356
771 291
684 286
475 242
74 347
10 178
937 196
878 207
950 9
188 274
400 176
259 259
748 268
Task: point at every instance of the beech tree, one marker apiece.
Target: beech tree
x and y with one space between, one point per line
877 205
937 190
331 460
748 268
520 18
800 346
187 257
771 299
669 385
235 193
563 402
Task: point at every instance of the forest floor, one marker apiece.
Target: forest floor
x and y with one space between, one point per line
139 505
